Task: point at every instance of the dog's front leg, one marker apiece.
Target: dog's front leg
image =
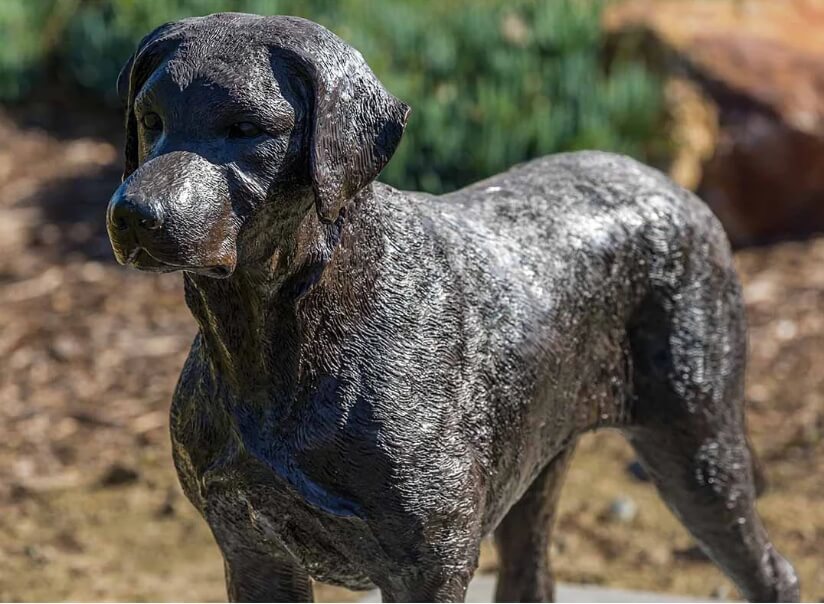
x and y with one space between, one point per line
254 576
452 589
437 581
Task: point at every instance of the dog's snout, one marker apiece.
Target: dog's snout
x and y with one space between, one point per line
174 212
126 213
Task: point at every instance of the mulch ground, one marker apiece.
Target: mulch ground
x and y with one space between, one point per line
89 504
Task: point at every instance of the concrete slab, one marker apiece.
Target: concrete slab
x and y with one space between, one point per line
482 589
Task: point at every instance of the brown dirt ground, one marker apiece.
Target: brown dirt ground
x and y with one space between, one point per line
90 508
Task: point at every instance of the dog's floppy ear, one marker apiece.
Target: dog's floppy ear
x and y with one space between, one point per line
133 75
356 123
357 126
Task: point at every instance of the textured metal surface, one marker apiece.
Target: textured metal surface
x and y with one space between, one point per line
381 376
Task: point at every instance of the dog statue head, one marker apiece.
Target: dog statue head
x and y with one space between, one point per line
236 126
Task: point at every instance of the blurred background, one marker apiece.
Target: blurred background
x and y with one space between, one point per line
727 96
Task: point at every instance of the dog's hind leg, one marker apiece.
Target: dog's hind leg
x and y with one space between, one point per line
689 431
707 481
523 538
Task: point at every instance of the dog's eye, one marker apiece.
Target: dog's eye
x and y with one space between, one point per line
244 130
152 121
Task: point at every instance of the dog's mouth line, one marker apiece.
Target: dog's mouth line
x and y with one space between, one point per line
212 270
132 257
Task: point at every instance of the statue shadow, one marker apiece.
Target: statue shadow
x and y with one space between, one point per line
65 162
71 215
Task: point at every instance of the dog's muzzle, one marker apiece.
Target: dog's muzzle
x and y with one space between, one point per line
173 213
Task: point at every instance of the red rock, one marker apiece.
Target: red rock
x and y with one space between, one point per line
761 63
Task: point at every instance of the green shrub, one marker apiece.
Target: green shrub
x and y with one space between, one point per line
491 82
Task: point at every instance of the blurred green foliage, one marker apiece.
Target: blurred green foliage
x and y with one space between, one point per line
491 82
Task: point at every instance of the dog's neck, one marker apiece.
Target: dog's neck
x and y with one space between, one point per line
250 321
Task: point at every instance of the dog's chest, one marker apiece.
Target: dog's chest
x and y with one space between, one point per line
263 482
281 509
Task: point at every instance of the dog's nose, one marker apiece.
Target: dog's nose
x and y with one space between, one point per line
126 213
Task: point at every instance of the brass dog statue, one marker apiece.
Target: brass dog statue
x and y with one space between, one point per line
382 378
